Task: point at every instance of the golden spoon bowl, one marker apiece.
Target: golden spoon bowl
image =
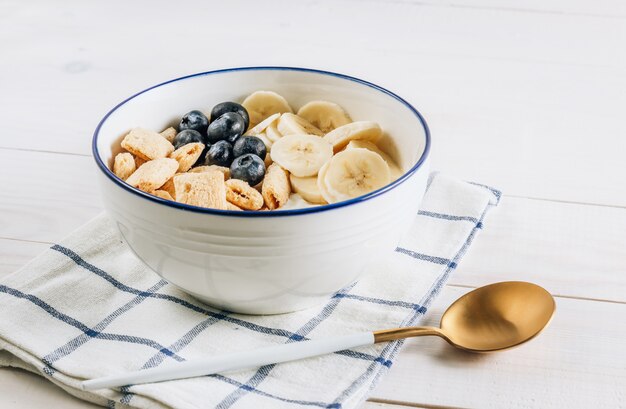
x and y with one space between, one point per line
490 318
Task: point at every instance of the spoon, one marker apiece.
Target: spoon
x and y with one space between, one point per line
488 319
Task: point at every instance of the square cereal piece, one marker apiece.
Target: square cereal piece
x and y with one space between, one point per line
204 189
211 168
124 165
163 194
242 195
169 134
276 187
169 186
147 144
187 155
139 161
153 174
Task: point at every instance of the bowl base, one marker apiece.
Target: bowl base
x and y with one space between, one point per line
278 305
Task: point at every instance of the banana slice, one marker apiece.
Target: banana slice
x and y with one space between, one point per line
362 130
302 155
263 125
395 170
324 115
307 188
321 184
272 132
355 172
265 139
289 124
262 104
268 146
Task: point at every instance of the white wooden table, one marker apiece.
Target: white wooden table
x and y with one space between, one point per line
528 96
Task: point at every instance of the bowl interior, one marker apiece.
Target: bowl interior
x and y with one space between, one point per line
163 105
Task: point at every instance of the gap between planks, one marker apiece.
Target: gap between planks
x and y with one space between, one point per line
26 240
571 297
565 201
8 148
561 13
390 402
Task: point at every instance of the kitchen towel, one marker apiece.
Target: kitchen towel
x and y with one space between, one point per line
87 307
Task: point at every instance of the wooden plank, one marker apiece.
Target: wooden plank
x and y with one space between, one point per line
15 253
578 362
573 250
527 93
387 405
470 120
511 127
563 8
47 195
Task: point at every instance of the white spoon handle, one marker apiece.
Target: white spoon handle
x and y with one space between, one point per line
233 361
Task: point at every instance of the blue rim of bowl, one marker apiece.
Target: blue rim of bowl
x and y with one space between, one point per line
273 213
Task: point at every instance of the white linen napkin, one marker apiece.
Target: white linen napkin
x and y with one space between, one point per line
87 307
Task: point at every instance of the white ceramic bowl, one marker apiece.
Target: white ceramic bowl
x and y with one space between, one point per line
264 262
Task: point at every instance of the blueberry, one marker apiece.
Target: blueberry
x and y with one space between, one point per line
220 154
250 144
188 136
249 168
228 127
220 109
195 120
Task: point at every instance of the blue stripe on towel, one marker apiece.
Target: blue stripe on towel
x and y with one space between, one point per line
222 316
77 342
177 346
264 371
184 303
404 304
84 328
425 257
444 216
269 395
